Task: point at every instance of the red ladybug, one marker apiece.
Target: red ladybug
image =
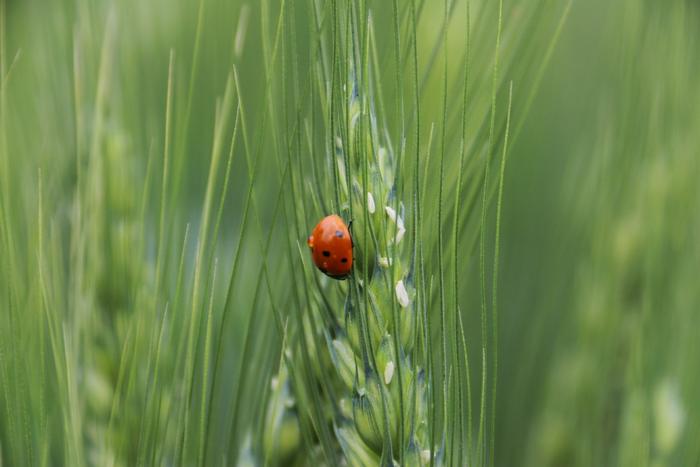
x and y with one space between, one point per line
331 247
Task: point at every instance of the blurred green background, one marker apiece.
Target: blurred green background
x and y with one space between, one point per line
599 320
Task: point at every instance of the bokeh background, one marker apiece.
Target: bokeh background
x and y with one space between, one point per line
599 319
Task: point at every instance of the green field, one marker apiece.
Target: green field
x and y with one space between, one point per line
522 184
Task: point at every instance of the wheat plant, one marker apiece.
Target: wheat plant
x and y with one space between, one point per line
520 180
383 358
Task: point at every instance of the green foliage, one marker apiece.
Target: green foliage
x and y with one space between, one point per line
521 178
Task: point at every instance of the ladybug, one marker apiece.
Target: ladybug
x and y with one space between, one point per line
331 247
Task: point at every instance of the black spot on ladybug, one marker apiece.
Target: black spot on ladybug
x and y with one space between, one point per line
323 270
344 260
339 234
326 253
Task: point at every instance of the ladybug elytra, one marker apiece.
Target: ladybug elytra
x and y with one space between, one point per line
331 247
